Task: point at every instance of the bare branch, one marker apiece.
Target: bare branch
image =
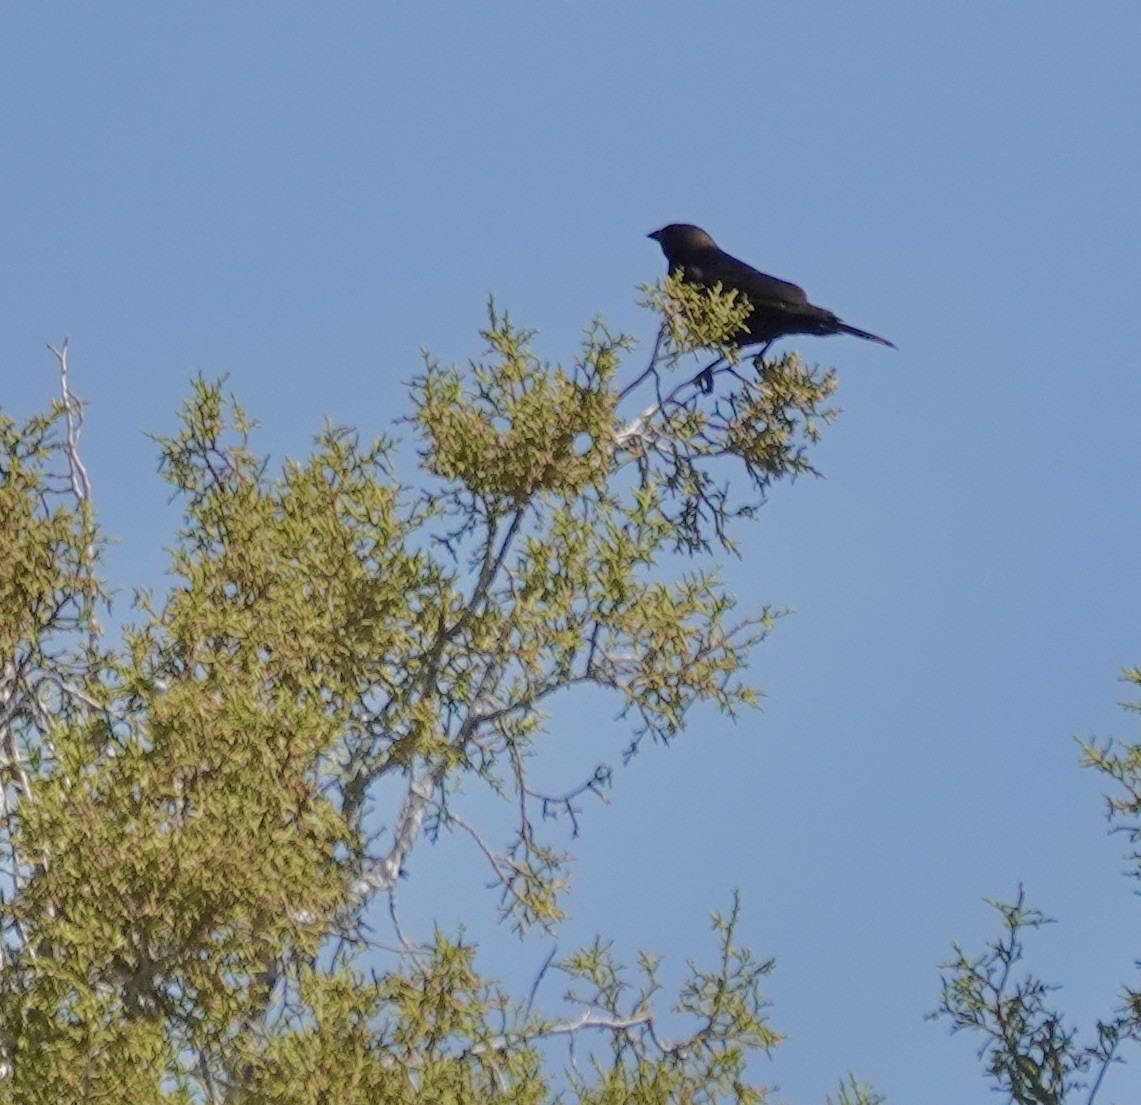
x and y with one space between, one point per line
382 873
73 416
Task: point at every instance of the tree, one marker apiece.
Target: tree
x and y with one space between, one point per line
190 834
1031 1055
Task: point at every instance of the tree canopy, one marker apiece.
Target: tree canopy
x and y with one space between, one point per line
198 840
191 833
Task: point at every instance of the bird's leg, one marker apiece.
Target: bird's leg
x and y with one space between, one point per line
759 358
704 379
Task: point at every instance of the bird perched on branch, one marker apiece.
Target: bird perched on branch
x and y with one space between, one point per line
779 308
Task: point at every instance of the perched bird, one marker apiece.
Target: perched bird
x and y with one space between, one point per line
779 308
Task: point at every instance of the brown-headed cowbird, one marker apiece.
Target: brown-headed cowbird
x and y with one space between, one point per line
779 308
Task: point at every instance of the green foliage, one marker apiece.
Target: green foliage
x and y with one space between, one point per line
190 833
1030 1053
724 1004
854 1092
697 318
1120 762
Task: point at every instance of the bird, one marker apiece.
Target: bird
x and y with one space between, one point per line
779 308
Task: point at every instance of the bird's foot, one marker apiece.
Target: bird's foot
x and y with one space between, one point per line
704 379
759 362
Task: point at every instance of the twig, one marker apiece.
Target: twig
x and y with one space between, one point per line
650 367
539 978
636 428
450 818
407 946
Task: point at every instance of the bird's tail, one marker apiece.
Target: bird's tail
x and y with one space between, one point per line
846 329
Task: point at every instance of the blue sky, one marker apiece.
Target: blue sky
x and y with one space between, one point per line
303 195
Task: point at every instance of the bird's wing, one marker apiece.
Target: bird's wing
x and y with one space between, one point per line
758 286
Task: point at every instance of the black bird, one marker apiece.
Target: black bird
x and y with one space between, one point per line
779 308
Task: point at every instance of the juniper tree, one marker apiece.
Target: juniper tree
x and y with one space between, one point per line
1032 1055
193 826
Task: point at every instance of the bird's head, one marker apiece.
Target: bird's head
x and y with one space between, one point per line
682 240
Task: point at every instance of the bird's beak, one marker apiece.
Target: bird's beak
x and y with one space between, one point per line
656 235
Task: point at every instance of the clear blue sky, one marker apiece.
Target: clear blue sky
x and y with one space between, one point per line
302 195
